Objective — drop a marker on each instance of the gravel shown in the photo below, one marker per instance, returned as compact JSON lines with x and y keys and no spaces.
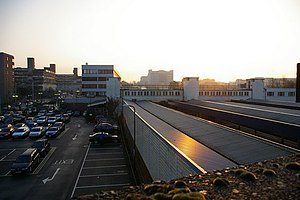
{"x":272,"y":179}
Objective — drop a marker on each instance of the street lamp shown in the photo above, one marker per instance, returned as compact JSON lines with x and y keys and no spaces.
{"x":134,"y":148}
{"x":40,"y":93}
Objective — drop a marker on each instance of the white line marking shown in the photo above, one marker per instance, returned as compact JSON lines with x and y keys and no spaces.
{"x":63,"y":133}
{"x":91,"y":160}
{"x":103,"y":175}
{"x":100,"y":186}
{"x":80,"y":171}
{"x":104,"y":167}
{"x":8,"y":154}
{"x":51,"y":179}
{"x":92,"y":154}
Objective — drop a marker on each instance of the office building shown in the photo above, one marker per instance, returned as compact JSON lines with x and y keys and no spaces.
{"x":100,"y":80}
{"x":6,"y":78}
{"x":69,"y":82}
{"x":31,"y":81}
{"x":160,"y":77}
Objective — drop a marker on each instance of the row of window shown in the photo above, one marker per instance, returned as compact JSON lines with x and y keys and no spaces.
{"x":151,"y":93}
{"x":223,"y":93}
{"x":97,"y":71}
{"x":94,"y":78}
{"x":94,"y":86}
{"x":281,"y":94}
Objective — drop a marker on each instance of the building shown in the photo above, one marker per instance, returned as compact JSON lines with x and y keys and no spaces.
{"x":160,"y":77}
{"x":69,"y":82}
{"x":6,"y":78}
{"x":100,"y":80}
{"x":32,"y":81}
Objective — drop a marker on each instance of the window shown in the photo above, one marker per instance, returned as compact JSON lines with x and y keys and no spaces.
{"x":291,"y":94}
{"x":101,"y":85}
{"x":89,"y":86}
{"x":105,"y":71}
{"x":270,"y":94}
{"x":102,"y":78}
{"x":281,"y":94}
{"x":89,"y":78}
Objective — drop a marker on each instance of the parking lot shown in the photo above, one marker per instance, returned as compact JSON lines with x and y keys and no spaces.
{"x":104,"y":168}
{"x":72,"y":167}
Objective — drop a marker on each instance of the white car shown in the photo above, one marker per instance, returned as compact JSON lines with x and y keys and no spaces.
{"x":37,"y":132}
{"x":21,"y":132}
{"x":42,"y":120}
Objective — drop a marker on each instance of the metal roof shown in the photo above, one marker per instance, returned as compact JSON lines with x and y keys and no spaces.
{"x":235,"y":145}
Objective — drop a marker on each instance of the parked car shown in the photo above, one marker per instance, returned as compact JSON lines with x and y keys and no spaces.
{"x":21,"y":132}
{"x":76,"y":113}
{"x":66,"y":118}
{"x":42,"y":119}
{"x":18,"y":125}
{"x":52,"y":132}
{"x":52,"y":120}
{"x":43,"y":146}
{"x":37,"y":132}
{"x":32,"y":124}
{"x":102,"y":138}
{"x":60,"y":125}
{"x":26,"y":162}
{"x":6,"y":131}
{"x":105,"y":127}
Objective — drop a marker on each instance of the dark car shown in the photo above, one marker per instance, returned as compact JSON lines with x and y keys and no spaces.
{"x":105,"y":127}
{"x":52,"y":132}
{"x":60,"y":125}
{"x":6,"y":131}
{"x":102,"y":138}
{"x":18,"y":125}
{"x":26,"y":162}
{"x":66,"y":118}
{"x":43,"y":146}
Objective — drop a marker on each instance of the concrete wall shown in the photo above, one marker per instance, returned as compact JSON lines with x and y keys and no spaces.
{"x":163,"y":161}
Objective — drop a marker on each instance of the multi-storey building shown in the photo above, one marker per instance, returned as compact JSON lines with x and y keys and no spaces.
{"x":6,"y":78}
{"x":33,"y":81}
{"x":69,"y":82}
{"x":100,"y":80}
{"x":160,"y":77}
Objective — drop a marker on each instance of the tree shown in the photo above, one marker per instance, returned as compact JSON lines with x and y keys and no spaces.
{"x":111,"y":105}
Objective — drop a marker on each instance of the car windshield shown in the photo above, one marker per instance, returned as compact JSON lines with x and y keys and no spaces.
{"x":22,"y":129}
{"x":53,"y":129}
{"x":38,"y":144}
{"x":35,"y":129}
{"x":23,"y":159}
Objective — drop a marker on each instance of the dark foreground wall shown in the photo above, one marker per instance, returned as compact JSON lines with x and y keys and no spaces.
{"x":298,"y":84}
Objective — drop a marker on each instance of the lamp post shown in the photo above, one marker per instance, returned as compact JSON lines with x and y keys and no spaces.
{"x":134,"y":148}
{"x":40,"y":93}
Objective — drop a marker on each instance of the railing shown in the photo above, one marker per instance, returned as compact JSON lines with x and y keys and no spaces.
{"x":163,"y":160}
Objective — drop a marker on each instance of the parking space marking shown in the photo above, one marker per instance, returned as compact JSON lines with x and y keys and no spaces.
{"x":91,"y":160}
{"x":103,"y":175}
{"x":63,"y":133}
{"x":8,"y":154}
{"x":86,"y":153}
{"x":104,"y":167}
{"x":93,"y":154}
{"x":100,"y":186}
{"x":41,"y":165}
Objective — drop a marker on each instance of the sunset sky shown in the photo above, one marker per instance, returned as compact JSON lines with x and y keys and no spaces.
{"x":223,"y":40}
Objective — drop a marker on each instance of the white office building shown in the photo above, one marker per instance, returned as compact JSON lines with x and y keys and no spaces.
{"x":159,"y":77}
{"x":100,"y":80}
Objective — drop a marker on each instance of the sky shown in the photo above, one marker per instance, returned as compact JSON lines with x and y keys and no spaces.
{"x":217,"y":39}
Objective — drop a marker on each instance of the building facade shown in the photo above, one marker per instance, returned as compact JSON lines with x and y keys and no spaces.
{"x":7,"y":87}
{"x":159,"y":77}
{"x":100,"y":80}
{"x":69,"y":82}
{"x":32,"y":81}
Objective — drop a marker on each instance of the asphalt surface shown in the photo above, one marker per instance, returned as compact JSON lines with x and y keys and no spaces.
{"x":57,"y":176}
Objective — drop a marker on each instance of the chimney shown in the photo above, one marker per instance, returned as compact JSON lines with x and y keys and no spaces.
{"x":30,"y":64}
{"x":75,"y":71}
{"x":52,"y":68}
{"x":298,"y":84}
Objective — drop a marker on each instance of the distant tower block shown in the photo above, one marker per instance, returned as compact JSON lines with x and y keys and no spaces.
{"x":298,"y":84}
{"x":75,"y":71}
{"x":190,"y":88}
{"x":30,"y":64}
{"x":52,"y":68}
